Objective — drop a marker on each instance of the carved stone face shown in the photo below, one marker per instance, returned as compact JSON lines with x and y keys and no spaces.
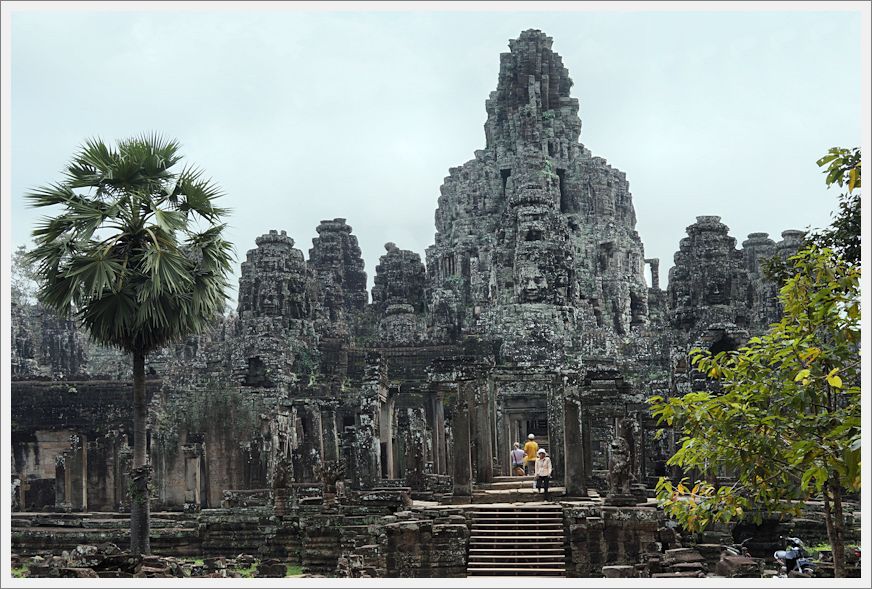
{"x":532,"y":284}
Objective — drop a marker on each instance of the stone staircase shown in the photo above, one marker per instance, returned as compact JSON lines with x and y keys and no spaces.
{"x":524,"y":539}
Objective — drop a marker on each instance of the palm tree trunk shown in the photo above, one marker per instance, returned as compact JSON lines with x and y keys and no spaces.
{"x":140,"y":475}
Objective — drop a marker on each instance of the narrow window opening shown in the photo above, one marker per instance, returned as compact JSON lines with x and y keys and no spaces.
{"x":565,"y":202}
{"x":505,"y":176}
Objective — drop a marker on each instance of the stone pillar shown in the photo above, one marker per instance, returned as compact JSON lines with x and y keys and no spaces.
{"x":415,"y":449}
{"x":460,"y":423}
{"x":366,"y":446}
{"x":63,"y":488}
{"x":587,"y":445}
{"x":439,"y":430}
{"x":554,"y":410}
{"x":307,"y":456}
{"x":575,"y":479}
{"x":484,"y":470}
{"x":19,"y":498}
{"x":192,"y":454}
{"x":75,"y":475}
{"x":329,"y":434}
{"x":122,"y":476}
{"x":84,"y":473}
{"x":386,"y":434}
{"x":367,"y":459}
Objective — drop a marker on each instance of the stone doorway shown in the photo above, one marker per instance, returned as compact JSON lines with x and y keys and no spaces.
{"x":521,"y":423}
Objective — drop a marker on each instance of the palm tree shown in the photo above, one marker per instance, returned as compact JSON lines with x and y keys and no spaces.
{"x":137,"y":256}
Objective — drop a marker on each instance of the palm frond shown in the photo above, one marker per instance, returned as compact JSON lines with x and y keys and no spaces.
{"x":140,"y":287}
{"x":49,"y":195}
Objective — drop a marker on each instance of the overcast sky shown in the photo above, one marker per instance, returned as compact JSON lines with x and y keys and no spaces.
{"x":309,"y":116}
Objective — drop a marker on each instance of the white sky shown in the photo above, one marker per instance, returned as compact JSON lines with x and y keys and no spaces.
{"x":308,"y":116}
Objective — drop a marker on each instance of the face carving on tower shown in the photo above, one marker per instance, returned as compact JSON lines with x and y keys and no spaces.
{"x":532,"y":284}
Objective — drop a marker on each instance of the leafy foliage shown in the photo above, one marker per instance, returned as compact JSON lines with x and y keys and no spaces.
{"x":787,"y":423}
{"x":23,"y":278}
{"x":156,"y":275}
{"x":842,"y":167}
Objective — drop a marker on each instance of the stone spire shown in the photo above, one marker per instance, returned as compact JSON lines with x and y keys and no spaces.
{"x":535,"y":221}
{"x":274,"y":280}
{"x":531,"y":105}
{"x":336,"y":261}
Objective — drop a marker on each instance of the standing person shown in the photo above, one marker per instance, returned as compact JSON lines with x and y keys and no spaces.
{"x":518,"y":457}
{"x":543,"y":472}
{"x":530,"y":449}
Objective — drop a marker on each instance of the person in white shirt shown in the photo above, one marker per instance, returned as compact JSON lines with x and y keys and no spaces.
{"x":543,"y":471}
{"x":518,"y":460}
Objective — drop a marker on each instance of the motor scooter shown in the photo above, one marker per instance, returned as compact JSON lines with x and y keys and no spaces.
{"x":794,"y":561}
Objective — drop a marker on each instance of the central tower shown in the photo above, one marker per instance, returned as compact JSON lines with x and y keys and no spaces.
{"x":535,"y":238}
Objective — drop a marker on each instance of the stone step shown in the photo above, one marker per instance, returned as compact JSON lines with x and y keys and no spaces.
{"x":515,"y":571}
{"x":502,"y":479}
{"x":515,"y":508}
{"x":535,"y":559}
{"x":518,"y":517}
{"x":517,"y":528}
{"x":525,"y":549}
{"x":520,"y":564}
{"x":497,"y":545}
{"x":516,"y":483}
{"x":513,"y":542}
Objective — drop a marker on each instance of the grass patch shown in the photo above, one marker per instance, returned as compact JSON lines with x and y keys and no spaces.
{"x":20,"y":572}
{"x":247,"y":572}
{"x":293,"y":570}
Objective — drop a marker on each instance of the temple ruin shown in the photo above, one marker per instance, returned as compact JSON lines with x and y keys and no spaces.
{"x":368,"y":433}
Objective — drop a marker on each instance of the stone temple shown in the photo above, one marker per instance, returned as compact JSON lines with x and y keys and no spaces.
{"x":366,"y":434}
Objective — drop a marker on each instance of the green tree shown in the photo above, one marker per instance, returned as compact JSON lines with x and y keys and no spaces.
{"x":23,"y":279}
{"x":841,"y":166}
{"x":787,"y":423}
{"x":159,"y":274}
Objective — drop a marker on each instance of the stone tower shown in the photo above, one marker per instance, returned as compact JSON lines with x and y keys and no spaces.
{"x":275,"y":329}
{"x":535,"y":237}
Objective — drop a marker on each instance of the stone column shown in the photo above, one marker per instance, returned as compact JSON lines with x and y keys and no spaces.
{"x":84,"y":474}
{"x":554,"y":410}
{"x":19,"y":500}
{"x":484,"y":470}
{"x":192,"y":456}
{"x":366,"y":446}
{"x":575,"y":480}
{"x":329,"y":434}
{"x":587,"y":445}
{"x":62,"y":485}
{"x":415,"y":449}
{"x":435,"y":425}
{"x":386,"y":433}
{"x":460,"y":423}
{"x":438,"y":429}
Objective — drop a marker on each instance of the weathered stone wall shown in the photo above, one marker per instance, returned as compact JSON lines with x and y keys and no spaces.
{"x":599,"y":536}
